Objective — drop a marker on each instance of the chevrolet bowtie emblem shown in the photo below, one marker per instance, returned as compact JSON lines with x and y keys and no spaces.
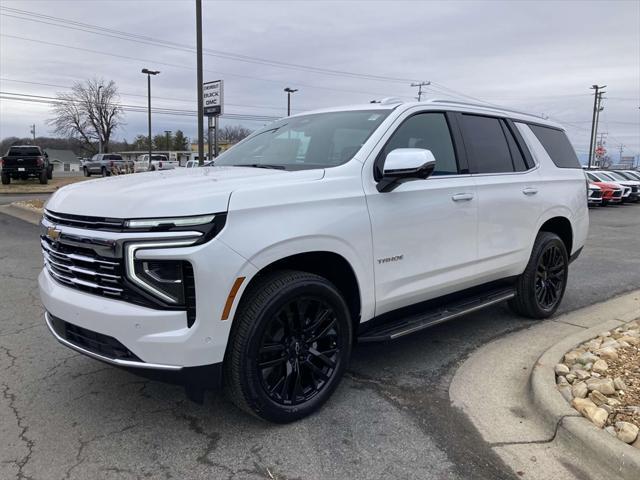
{"x":53,"y":234}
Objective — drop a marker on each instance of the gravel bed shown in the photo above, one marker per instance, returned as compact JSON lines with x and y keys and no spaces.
{"x":601,"y":380}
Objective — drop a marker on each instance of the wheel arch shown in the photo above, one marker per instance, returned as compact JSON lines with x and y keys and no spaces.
{"x":561,"y":226}
{"x":330,"y":265}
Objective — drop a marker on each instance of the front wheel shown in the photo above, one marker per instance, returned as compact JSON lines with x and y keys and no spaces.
{"x":289,"y":346}
{"x":539,"y":290}
{"x":6,"y":178}
{"x":50,"y":172}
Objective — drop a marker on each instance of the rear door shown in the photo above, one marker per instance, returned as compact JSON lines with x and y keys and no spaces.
{"x":508,"y":185}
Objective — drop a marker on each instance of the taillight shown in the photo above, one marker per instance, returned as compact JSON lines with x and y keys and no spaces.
{"x":40,"y":161}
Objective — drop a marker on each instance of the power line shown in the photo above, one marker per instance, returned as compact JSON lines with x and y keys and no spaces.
{"x":122,"y":35}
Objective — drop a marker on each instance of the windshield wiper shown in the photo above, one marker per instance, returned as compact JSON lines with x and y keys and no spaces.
{"x":262,"y":165}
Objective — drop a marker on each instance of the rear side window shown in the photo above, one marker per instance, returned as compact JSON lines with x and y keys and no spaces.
{"x":557,"y":145}
{"x":112,"y":157}
{"x":486,"y":145}
{"x":429,"y":131}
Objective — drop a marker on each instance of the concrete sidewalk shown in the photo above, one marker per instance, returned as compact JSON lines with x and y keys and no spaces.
{"x":493,"y":388}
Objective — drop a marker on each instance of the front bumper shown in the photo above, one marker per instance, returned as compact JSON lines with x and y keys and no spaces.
{"x":159,"y":339}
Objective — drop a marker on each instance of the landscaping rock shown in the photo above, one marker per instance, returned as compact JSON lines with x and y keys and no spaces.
{"x":581,"y":374}
{"x":587,"y":357}
{"x":570,"y":377}
{"x":603,"y":385}
{"x":619,"y":384}
{"x":608,"y":353}
{"x":598,"y":416}
{"x":579,"y":390}
{"x":571,"y":357}
{"x":598,"y":398}
{"x":565,"y":391}
{"x":627,"y":432}
{"x":561,"y":369}
{"x":600,"y":366}
{"x":580,"y":404}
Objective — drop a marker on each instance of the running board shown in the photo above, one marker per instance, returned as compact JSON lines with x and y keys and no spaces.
{"x":414,"y":323}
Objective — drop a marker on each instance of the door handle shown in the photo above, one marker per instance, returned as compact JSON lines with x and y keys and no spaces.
{"x":462,"y":197}
{"x":530,"y":191}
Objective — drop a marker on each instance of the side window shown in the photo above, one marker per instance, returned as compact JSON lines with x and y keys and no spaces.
{"x":429,"y":131}
{"x":557,"y":145}
{"x":519,"y":162}
{"x":486,"y":144}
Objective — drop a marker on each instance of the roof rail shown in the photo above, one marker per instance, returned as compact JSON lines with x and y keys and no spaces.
{"x":387,"y":101}
{"x":483,"y":105}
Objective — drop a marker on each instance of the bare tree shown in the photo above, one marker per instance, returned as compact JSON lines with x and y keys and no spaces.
{"x":91,"y":112}
{"x":234,"y":133}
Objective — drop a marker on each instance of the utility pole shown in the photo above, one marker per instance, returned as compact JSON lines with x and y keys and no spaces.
{"x":149,"y":73}
{"x":420,"y":85}
{"x":167,"y":134}
{"x":33,"y":132}
{"x":199,"y":80}
{"x":598,"y":110}
{"x":289,"y":92}
{"x":597,"y":88}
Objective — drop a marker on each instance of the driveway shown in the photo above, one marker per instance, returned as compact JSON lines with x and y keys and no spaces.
{"x":63,"y":415}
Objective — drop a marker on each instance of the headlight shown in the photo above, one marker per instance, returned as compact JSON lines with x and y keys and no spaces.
{"x":165,"y":279}
{"x":169,"y":222}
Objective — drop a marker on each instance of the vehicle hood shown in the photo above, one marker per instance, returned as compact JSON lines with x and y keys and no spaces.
{"x":167,"y":193}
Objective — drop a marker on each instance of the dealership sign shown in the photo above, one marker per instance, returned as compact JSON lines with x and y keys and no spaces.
{"x":213,"y":98}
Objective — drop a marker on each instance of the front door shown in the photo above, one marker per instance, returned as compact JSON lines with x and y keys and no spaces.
{"x":424,"y":231}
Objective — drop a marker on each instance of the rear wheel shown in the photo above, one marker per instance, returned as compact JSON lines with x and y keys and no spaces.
{"x":103,"y":171}
{"x":289,"y":347}
{"x":539,"y":290}
{"x":44,"y":177}
{"x":6,"y":178}
{"x":50,"y":172}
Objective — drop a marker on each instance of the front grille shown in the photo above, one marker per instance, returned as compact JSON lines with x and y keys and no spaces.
{"x":92,"y":341}
{"x":634,"y":189}
{"x":596,"y":194}
{"x":617,"y":193}
{"x":82,"y":221}
{"x":82,"y":268}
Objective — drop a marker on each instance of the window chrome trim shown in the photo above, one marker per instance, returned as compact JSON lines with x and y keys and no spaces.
{"x":130,"y":254}
{"x":112,"y":361}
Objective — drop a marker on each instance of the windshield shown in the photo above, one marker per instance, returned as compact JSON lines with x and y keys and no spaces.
{"x":617,"y":176}
{"x":158,"y":157}
{"x":606,"y":176}
{"x":319,"y":140}
{"x":632,"y":175}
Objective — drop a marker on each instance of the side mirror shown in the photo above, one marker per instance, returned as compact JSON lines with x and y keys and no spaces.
{"x":404,"y":164}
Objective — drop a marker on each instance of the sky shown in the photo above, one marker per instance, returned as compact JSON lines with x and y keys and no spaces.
{"x":541,"y":57}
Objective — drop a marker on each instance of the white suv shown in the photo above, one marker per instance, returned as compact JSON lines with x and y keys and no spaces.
{"x":158,"y":162}
{"x":363,"y":223}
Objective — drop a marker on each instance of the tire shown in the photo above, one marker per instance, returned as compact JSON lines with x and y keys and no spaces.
{"x":6,"y":178}
{"x":104,"y":172}
{"x":539,"y":290}
{"x":86,"y":171}
{"x":50,"y":172}
{"x":292,"y":355}
{"x":44,"y":177}
{"x":153,"y":168}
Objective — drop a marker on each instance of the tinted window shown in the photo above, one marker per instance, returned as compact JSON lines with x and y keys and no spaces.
{"x":486,"y":145}
{"x":519,"y":162}
{"x":557,"y":145}
{"x":429,"y":131}
{"x":319,"y":140}
{"x":24,"y":151}
{"x":112,"y":157}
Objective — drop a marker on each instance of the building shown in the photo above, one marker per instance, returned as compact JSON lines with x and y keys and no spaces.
{"x":63,"y":160}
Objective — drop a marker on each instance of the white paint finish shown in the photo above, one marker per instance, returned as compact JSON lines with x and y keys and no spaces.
{"x":453,"y":232}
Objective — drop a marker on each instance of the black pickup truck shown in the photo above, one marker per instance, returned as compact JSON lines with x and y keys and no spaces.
{"x":24,"y":161}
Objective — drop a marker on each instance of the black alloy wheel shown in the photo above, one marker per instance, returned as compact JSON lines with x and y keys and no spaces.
{"x":550,"y":277}
{"x":299,"y":350}
{"x":289,"y":345}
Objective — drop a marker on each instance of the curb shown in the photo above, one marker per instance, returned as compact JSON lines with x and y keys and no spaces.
{"x":21,"y":213}
{"x":576,"y":432}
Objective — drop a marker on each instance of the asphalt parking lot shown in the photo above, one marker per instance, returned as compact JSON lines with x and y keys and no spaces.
{"x":65,"y":416}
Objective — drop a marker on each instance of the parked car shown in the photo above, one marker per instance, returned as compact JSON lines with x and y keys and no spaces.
{"x":629,"y":174}
{"x":363,"y":223}
{"x":24,"y":161}
{"x":600,"y":176}
{"x":611,"y":192}
{"x":195,"y":163}
{"x":107,"y":164}
{"x":594,"y":196}
{"x":158,"y":162}
{"x":634,"y":196}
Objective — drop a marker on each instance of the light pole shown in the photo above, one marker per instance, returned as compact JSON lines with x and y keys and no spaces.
{"x":99,"y":121}
{"x":149,"y":73}
{"x":289,"y":92}
{"x":167,"y":134}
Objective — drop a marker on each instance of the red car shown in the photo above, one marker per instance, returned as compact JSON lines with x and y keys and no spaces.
{"x":610,"y":193}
